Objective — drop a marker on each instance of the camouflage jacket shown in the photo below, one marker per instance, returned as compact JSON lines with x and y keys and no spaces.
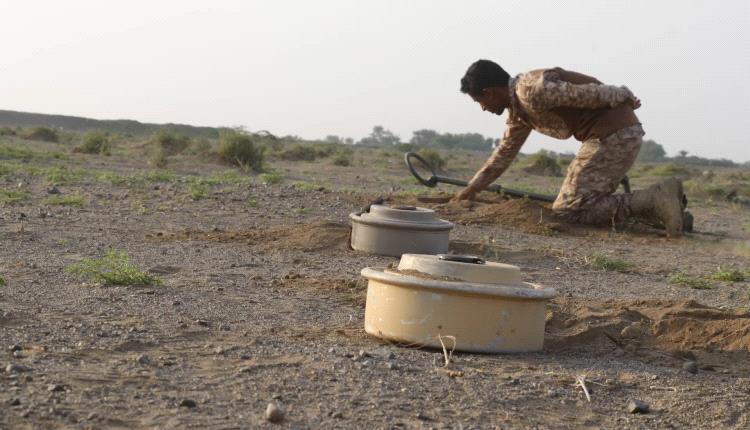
{"x":535,"y":99}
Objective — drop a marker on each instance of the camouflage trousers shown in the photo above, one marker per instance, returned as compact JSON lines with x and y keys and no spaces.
{"x":587,"y":194}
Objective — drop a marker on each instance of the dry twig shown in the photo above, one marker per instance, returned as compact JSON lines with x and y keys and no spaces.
{"x":581,"y":381}
{"x":447,"y":355}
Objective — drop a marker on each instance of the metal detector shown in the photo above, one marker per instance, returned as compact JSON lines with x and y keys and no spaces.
{"x":434,"y":179}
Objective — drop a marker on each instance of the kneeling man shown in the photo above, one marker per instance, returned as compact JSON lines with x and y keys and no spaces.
{"x":561,"y":103}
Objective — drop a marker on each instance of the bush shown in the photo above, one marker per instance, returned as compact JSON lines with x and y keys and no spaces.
{"x":94,"y":142}
{"x":44,"y":134}
{"x":158,"y":157}
{"x":673,"y":169}
{"x":74,"y":199}
{"x":601,"y":262}
{"x":342,"y":159}
{"x":729,"y":274}
{"x":7,"y":131}
{"x":299,"y":152}
{"x":433,"y":158}
{"x":113,"y":268}
{"x":238,"y":148}
{"x":199,"y":147}
{"x":170,"y":143}
{"x":686,"y":280}
{"x":11,"y":196}
{"x":271,"y":178}
{"x":542,"y":164}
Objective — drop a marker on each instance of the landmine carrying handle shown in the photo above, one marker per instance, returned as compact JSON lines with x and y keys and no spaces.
{"x":434,"y":179}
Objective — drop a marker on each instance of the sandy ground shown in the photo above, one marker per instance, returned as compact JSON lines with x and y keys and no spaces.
{"x":262,"y":302}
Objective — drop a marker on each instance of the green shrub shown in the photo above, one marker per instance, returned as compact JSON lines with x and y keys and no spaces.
{"x":170,"y":143}
{"x":270,"y":178}
{"x":342,"y":159}
{"x":7,"y":131}
{"x":323,"y":150}
{"x":10,"y":196}
{"x":601,"y":262}
{"x":158,"y":157}
{"x":10,"y":152}
{"x":686,"y":280}
{"x":44,"y":134}
{"x":433,"y":158}
{"x":308,"y":186}
{"x":74,"y":199}
{"x":729,"y":274}
{"x":542,"y":164}
{"x":113,"y":268}
{"x":239,"y":149}
{"x":60,"y":175}
{"x":199,"y":147}
{"x":95,"y":142}
{"x":2,"y":282}
{"x":299,"y":152}
{"x":673,"y":169}
{"x":197,"y":190}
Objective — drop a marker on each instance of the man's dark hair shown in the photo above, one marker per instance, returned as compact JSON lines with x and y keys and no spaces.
{"x":483,"y":74}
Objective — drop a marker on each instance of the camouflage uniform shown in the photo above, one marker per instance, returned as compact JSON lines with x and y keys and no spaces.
{"x":541,"y":100}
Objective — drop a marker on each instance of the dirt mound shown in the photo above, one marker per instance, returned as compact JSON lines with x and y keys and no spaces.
{"x":526,"y":215}
{"x":665,"y":325}
{"x":315,"y":236}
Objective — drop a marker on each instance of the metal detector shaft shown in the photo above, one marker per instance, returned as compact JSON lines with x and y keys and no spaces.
{"x":434,"y":179}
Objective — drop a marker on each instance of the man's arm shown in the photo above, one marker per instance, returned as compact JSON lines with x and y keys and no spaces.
{"x":556,"y":92}
{"x":514,"y":137}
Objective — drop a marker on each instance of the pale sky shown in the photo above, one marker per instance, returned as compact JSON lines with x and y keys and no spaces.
{"x":314,"y":68}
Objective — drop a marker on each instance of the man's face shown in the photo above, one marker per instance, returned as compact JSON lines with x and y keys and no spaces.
{"x":491,"y":100}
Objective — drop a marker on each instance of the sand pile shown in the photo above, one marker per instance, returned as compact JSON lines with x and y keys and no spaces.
{"x":661,"y":324}
{"x":316,"y":236}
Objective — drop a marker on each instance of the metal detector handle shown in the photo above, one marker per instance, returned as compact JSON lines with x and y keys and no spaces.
{"x":434,"y":178}
{"x":625,"y":181}
{"x":521,"y":194}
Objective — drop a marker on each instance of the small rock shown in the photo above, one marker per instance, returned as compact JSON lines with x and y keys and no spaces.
{"x":337,"y":415}
{"x":638,"y":407}
{"x":17,"y":354}
{"x":53,"y":190}
{"x":14,"y":402}
{"x":92,"y":416}
{"x":225,"y":327}
{"x":202,"y":323}
{"x":176,"y":303}
{"x":632,"y":331}
{"x":143,"y":359}
{"x":219,"y":350}
{"x":188,"y":403}
{"x":391,"y":366}
{"x":690,"y":367}
{"x":15,"y":368}
{"x":274,"y":413}
{"x":55,"y":388}
{"x":15,"y":347}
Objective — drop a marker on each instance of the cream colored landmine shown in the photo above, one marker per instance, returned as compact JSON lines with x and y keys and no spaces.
{"x":481,"y":306}
{"x":397,"y":230}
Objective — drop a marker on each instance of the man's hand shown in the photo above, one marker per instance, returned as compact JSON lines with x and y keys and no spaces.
{"x":467,"y":193}
{"x":635,"y":102}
